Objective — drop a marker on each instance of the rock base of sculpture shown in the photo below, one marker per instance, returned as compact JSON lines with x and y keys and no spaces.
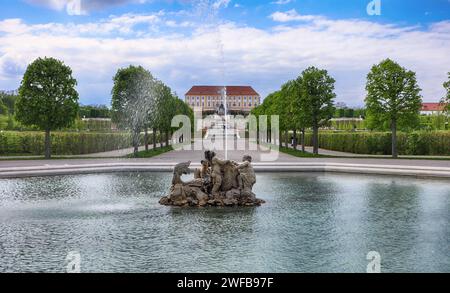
{"x":218,"y":183}
{"x":188,"y":196}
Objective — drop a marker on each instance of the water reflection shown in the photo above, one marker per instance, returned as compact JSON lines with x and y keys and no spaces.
{"x":311,"y":222}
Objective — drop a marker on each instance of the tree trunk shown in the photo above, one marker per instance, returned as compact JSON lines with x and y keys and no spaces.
{"x":136,"y":142}
{"x":146,"y":138}
{"x":257,"y":136}
{"x":167,"y":138}
{"x":154,"y":138}
{"x":294,"y":139}
{"x":394,"y":139}
{"x":48,"y":145}
{"x":286,"y":139}
{"x":161,"y":138}
{"x":303,"y":140}
{"x":280,"y":140}
{"x":316,"y":139}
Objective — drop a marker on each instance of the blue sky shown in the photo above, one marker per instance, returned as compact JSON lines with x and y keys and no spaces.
{"x":261,"y":43}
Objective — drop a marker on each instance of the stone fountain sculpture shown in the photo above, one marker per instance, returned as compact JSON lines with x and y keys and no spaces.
{"x":217,"y":183}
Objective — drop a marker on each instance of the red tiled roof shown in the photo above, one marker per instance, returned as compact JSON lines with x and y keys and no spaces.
{"x":215,"y":90}
{"x":432,"y":107}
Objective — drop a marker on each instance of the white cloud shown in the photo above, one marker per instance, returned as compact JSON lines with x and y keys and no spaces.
{"x":221,"y":3}
{"x":281,"y":2}
{"x":80,"y":7}
{"x":292,"y":15}
{"x":262,"y":58}
{"x":123,"y":24}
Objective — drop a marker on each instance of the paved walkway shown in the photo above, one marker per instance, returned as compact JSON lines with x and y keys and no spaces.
{"x":351,"y":155}
{"x":236,"y":155}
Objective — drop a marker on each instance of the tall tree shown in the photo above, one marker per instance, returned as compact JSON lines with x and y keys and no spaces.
{"x":446,"y":99}
{"x":133,"y":100}
{"x":166,"y":111}
{"x":317,"y":99}
{"x":393,"y":97}
{"x":282,"y":110}
{"x":47,"y":97}
{"x":301,"y":116}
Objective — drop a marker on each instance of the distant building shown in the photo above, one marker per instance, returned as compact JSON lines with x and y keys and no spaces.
{"x":432,"y":108}
{"x":210,"y":99}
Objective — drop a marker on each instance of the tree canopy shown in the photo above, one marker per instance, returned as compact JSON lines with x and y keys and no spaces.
{"x":140,"y":101}
{"x":95,"y":111}
{"x":393,"y":98}
{"x":317,"y":99}
{"x":302,"y":103}
{"x":47,"y":97}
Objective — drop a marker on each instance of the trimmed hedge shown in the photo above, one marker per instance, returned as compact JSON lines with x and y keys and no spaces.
{"x":432,"y":143}
{"x":63,"y":143}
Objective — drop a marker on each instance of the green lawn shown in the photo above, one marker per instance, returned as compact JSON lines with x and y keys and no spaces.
{"x":300,"y":154}
{"x":295,"y":153}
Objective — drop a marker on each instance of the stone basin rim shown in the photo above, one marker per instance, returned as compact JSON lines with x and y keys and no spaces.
{"x":364,"y":169}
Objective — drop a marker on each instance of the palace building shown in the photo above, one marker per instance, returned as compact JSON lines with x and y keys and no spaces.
{"x":210,"y":99}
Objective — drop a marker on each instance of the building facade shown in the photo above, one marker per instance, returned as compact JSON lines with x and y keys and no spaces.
{"x":432,"y":109}
{"x":210,"y":99}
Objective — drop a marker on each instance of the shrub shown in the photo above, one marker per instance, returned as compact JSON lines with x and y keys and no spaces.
{"x":432,"y":143}
{"x":63,"y":143}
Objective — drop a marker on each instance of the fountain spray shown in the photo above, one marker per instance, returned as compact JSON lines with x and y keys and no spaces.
{"x":224,"y":92}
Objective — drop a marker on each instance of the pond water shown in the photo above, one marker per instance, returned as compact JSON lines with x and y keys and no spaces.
{"x":311,"y":223}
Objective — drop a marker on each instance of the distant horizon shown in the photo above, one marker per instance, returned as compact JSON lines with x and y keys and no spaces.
{"x":108,"y":105}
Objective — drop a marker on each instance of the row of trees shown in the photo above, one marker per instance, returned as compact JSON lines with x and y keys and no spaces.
{"x":48,"y":100}
{"x":393,"y":100}
{"x":141,"y":102}
{"x":342,"y":111}
{"x":95,"y":111}
{"x":306,"y":102}
{"x":7,"y":103}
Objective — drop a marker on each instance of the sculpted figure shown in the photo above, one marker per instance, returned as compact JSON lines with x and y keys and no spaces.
{"x":216,"y":171}
{"x":230,"y":177}
{"x":205,"y":171}
{"x":180,"y":170}
{"x":247,"y":177}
